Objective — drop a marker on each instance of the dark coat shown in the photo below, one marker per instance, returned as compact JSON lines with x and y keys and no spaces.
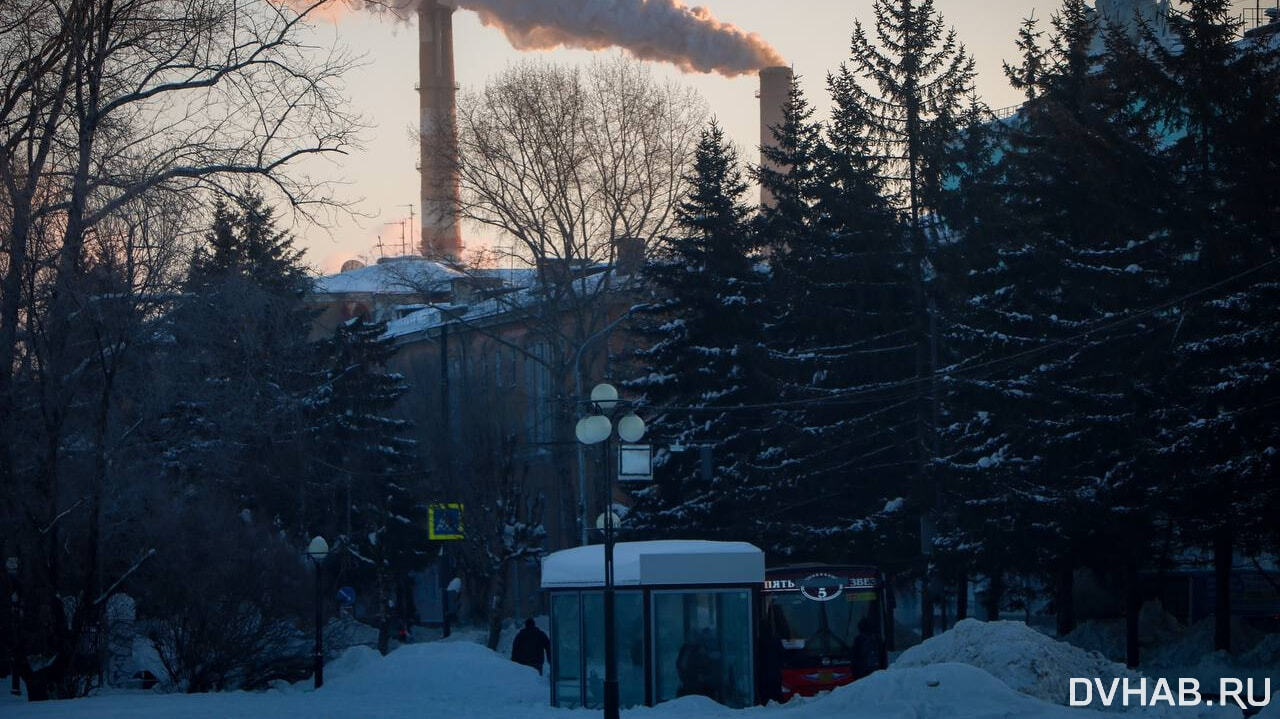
{"x":531,"y":647}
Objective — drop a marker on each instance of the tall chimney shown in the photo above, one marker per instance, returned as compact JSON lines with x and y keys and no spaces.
{"x":775,"y":88}
{"x":437,"y":99}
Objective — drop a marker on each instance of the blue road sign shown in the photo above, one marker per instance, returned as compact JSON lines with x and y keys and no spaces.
{"x":444,"y":522}
{"x":347,"y":595}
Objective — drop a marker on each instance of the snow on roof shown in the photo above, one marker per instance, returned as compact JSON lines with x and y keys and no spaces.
{"x":513,"y":298}
{"x":656,"y":562}
{"x":413,"y":322}
{"x":433,"y":317}
{"x":391,"y":275}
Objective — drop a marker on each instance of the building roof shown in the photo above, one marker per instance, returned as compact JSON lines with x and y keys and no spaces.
{"x":512,"y":298}
{"x":663,"y":562}
{"x":390,"y":276}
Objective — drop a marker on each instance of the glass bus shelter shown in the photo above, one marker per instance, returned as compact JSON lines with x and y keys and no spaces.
{"x":684,"y":618}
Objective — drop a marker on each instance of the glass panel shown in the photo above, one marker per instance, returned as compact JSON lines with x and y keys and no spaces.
{"x":629,"y":620}
{"x":593,"y":615}
{"x":703,"y":646}
{"x":734,"y":632}
{"x":629,"y":607}
{"x":567,"y":669}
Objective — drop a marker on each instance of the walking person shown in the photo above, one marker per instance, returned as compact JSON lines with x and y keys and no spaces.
{"x":531,"y":646}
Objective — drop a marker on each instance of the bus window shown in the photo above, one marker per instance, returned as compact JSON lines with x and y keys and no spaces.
{"x":828,"y":621}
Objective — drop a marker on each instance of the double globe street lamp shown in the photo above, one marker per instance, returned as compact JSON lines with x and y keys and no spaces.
{"x":598,"y":428}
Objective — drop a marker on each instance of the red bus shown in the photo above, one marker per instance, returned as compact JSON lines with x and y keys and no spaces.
{"x":822,"y":626}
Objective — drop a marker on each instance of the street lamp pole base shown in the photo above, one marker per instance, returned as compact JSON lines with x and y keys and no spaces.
{"x":319,"y":669}
{"x":611,"y":699}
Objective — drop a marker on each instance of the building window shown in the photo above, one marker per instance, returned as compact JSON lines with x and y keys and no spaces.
{"x":538,"y":393}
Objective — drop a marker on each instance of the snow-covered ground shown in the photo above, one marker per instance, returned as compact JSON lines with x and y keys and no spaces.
{"x":1171,"y":650}
{"x":463,"y":680}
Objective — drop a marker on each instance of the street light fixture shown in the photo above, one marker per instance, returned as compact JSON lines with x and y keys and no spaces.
{"x":598,"y":429}
{"x":604,"y":396}
{"x":317,"y":551}
{"x":631,"y":428}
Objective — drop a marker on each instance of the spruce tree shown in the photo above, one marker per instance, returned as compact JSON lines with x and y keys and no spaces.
{"x":703,"y":358}
{"x":919,"y":75}
{"x":246,"y":242}
{"x":242,"y":365}
{"x":1220,"y":100}
{"x":375,"y":504}
{"x":978,"y":258}
{"x":1051,"y":393}
{"x":1028,"y":73}
{"x":838,"y":301}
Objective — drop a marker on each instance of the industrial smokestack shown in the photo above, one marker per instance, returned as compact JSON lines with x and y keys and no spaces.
{"x":437,"y":97}
{"x":775,"y":88}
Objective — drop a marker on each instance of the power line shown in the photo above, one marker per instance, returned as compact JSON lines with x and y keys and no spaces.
{"x":858,"y":395}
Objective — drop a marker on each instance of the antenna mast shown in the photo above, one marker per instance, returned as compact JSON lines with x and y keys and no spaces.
{"x":411,"y":216}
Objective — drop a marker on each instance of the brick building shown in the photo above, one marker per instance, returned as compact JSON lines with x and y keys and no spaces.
{"x":490,"y":358}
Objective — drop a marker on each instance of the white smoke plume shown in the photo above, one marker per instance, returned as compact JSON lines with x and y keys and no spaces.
{"x":690,"y":38}
{"x":663,"y":30}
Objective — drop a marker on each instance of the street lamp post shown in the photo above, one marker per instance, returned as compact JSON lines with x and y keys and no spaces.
{"x":318,"y":550}
{"x":577,"y":385}
{"x":15,"y":608}
{"x":598,"y":429}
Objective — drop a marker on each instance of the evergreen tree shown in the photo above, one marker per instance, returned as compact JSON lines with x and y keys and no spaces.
{"x":977,"y":258}
{"x":1054,"y":389}
{"x":375,"y":505}
{"x":242,"y":364}
{"x":245,"y":242}
{"x":704,"y":356}
{"x":839,"y":299}
{"x":797,"y":151}
{"x":1027,"y":75}
{"x":1219,"y":99}
{"x":921,"y":75}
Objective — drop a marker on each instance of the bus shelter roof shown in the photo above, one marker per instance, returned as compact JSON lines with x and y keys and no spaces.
{"x":662,"y":562}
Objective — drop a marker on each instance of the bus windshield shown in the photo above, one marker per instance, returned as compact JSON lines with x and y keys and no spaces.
{"x":825,"y":618}
{"x":821,"y":633}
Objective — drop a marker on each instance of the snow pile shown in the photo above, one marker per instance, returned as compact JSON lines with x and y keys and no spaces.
{"x":343,"y":633}
{"x":1196,"y":643}
{"x":1105,"y":637}
{"x":1191,"y":654}
{"x":1021,"y":657}
{"x":937,"y":691}
{"x":1170,"y":651}
{"x":1156,"y":628}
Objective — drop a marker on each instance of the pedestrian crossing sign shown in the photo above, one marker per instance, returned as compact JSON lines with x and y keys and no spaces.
{"x":444,"y":522}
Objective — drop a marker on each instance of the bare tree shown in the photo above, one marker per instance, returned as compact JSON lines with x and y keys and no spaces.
{"x":116,"y":118}
{"x":567,"y":162}
{"x":572,"y":167}
{"x":504,"y":509}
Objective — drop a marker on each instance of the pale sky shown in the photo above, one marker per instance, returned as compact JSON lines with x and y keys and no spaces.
{"x":812,"y":34}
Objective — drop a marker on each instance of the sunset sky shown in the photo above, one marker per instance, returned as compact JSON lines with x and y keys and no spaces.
{"x":812,"y":34}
